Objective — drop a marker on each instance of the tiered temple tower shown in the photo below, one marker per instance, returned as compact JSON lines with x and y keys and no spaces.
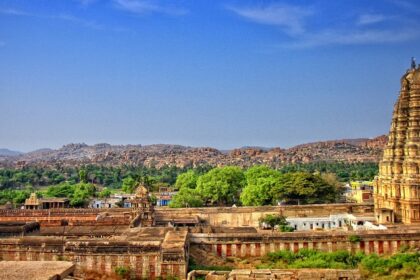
{"x":397,"y":188}
{"x":143,"y":207}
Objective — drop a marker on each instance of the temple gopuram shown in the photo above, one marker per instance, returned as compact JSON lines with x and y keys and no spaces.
{"x":397,"y":189}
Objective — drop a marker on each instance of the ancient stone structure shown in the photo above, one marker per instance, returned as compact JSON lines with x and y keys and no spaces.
{"x":72,"y":216}
{"x":101,"y":241}
{"x":397,"y":189}
{"x":17,"y":228}
{"x":148,"y":253}
{"x":251,"y":244}
{"x":282,"y":274}
{"x":33,"y":202}
{"x":250,"y":216}
{"x":143,"y":207}
{"x":41,"y":270}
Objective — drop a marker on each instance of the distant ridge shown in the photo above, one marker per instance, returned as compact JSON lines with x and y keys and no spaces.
{"x":9,"y":153}
{"x":158,"y":155}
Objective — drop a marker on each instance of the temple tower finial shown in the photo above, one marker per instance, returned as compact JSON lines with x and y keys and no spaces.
{"x":413,"y":62}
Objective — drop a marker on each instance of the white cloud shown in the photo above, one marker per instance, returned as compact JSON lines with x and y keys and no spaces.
{"x":86,"y":2}
{"x":76,"y":20}
{"x":146,"y":6}
{"x":64,"y":17}
{"x":13,"y":12}
{"x":357,"y":37}
{"x":367,"y":19}
{"x":289,"y":18}
{"x":292,"y":20}
{"x":409,"y":6}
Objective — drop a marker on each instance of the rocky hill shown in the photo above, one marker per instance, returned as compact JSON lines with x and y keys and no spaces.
{"x":7,"y":152}
{"x":348,"y":150}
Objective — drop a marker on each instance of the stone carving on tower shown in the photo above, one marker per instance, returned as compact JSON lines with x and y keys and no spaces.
{"x":397,"y":188}
{"x":143,"y":208}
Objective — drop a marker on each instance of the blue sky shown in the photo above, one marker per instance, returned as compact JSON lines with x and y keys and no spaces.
{"x":200,"y":72}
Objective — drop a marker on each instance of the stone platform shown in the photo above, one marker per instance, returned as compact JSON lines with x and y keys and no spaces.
{"x":35,"y":270}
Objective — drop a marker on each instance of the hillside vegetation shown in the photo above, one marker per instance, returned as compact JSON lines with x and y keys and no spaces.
{"x":259,"y":185}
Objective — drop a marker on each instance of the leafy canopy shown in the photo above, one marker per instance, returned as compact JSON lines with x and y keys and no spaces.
{"x":186,"y":197}
{"x":186,"y":180}
{"x":260,"y":180}
{"x":221,"y":185}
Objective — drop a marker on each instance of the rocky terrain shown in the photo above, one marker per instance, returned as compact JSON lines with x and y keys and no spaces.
{"x":348,"y":150}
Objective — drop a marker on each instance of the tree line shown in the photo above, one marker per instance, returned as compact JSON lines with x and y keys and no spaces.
{"x":81,"y":183}
{"x":256,"y":186}
{"x":110,"y":177}
{"x":345,"y":171}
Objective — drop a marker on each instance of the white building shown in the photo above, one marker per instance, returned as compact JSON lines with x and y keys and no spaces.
{"x":332,"y":222}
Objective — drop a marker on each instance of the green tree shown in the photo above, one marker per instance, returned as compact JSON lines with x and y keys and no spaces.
{"x":82,"y":192}
{"x":186,"y":197}
{"x":331,"y":180}
{"x":20,"y":197}
{"x":276,"y":220}
{"x":105,"y":193}
{"x":304,"y":188}
{"x":61,"y":190}
{"x":221,"y":185}
{"x":186,"y":180}
{"x":129,"y":185}
{"x":260,"y":180}
{"x":273,"y":220}
{"x":83,"y":176}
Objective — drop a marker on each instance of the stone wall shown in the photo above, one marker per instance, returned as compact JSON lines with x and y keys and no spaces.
{"x":73,"y":216}
{"x":249,"y":216}
{"x":257,"y":244}
{"x":214,"y":216}
{"x":284,"y":274}
{"x":145,"y":259}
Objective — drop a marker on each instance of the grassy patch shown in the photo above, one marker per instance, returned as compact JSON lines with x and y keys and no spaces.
{"x":403,"y":265}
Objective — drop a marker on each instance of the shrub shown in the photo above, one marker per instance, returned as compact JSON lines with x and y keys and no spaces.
{"x":122,"y":271}
{"x":354,"y":238}
{"x":398,"y":266}
{"x":286,"y":228}
{"x":310,"y":263}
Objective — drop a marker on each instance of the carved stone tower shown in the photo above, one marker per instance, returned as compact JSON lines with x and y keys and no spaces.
{"x":397,"y":188}
{"x":143,"y":208}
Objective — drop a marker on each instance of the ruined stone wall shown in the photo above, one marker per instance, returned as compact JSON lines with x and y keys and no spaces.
{"x":74,"y":217}
{"x":284,"y":274}
{"x":144,"y":259}
{"x":215,"y":216}
{"x":257,"y":244}
{"x":249,"y":216}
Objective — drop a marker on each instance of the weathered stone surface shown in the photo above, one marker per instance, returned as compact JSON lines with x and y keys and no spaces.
{"x":284,"y":274}
{"x":398,"y":185}
{"x":39,"y":270}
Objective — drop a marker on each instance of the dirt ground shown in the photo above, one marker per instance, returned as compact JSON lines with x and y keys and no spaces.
{"x":202,"y":257}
